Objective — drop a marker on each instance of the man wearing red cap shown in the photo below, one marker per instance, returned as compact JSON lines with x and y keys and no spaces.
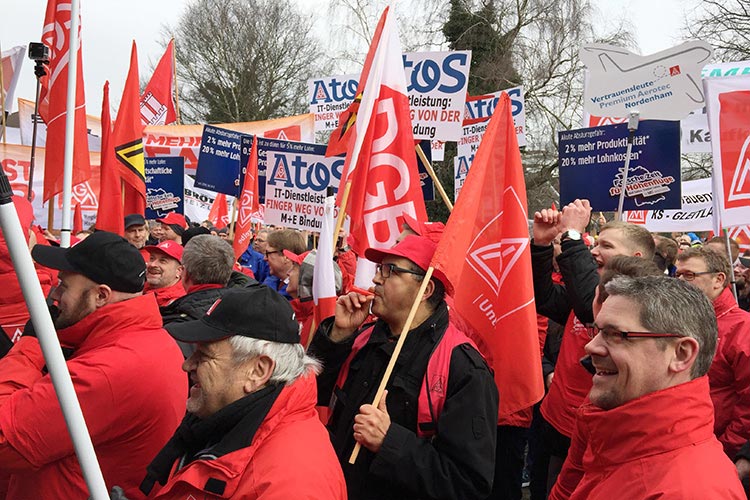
{"x":173,"y":227}
{"x":433,"y":433}
{"x":164,"y":272}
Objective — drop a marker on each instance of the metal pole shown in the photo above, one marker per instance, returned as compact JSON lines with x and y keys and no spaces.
{"x":70,"y":121}
{"x":45,"y":331}
{"x":632,"y":127}
{"x":35,"y":119}
{"x":2,"y":93}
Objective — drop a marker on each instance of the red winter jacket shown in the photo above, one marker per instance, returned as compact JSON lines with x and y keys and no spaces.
{"x":660,"y":445}
{"x":119,"y":351}
{"x":291,"y":457}
{"x":729,"y":375}
{"x":165,"y":296}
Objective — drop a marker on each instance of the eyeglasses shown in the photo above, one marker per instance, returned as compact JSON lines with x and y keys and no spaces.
{"x":690,"y":275}
{"x":385,"y":270}
{"x":272,"y":252}
{"x":611,"y":336}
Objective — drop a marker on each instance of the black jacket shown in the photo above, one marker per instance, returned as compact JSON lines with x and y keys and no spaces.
{"x":579,"y":271}
{"x":458,"y":462}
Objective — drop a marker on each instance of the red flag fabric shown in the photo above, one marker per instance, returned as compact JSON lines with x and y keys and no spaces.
{"x":53,"y":100}
{"x":77,"y":219}
{"x":248,"y":204}
{"x":109,"y":215}
{"x":381,"y":163}
{"x":485,"y":254}
{"x":127,"y":139}
{"x":338,"y":143}
{"x":324,"y":280}
{"x":219,"y":214}
{"x":157,"y":100}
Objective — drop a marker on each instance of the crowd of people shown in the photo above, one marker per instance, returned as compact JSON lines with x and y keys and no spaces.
{"x":205,"y":376}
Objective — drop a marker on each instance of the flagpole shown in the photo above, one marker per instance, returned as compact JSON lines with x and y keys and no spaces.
{"x":230,"y":235}
{"x":632,"y":127}
{"x":174,"y":77}
{"x":51,"y":213}
{"x":342,"y":211}
{"x":435,"y":179}
{"x":2,"y":93}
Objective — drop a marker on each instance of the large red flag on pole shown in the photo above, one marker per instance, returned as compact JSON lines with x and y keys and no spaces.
{"x":157,"y":100}
{"x":109,"y":215}
{"x":248,"y":203}
{"x":219,"y":214}
{"x":53,"y":99}
{"x":380,"y":165}
{"x":127,"y":140}
{"x":484,"y":252}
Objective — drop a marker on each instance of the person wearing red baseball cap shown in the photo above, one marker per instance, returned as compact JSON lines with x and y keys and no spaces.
{"x":173,"y":227}
{"x":164,"y":272}
{"x":430,"y":230}
{"x":442,"y":402}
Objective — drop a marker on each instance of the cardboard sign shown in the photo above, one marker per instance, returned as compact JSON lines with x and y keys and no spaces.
{"x":665,"y":85}
{"x":592,"y":161}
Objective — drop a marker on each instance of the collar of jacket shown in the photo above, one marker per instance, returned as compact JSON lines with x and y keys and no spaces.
{"x":724,"y":302}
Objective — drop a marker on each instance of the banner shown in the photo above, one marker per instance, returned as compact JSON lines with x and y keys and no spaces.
{"x":185,"y":140}
{"x":696,"y":213}
{"x":197,"y":201}
{"x":591,"y":162}
{"x":26,"y":125}
{"x":297,"y":176}
{"x":436,"y":86}
{"x":12,"y":60}
{"x":165,"y":186}
{"x":728,"y":103}
{"x":664,"y":85}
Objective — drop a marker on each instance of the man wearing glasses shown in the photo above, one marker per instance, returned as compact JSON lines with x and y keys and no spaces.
{"x":647,"y":430}
{"x":254,"y":257}
{"x":729,"y":376}
{"x":433,"y":435}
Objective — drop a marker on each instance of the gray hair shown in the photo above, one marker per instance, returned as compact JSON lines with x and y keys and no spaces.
{"x":291,"y":360}
{"x":208,"y":260}
{"x":669,"y":305}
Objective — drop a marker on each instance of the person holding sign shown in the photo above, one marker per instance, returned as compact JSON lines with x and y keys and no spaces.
{"x":433,"y":434}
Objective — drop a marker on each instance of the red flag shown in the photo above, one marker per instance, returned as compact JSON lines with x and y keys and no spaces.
{"x":127,"y":139}
{"x":53,"y":99}
{"x":324,"y":280}
{"x":218,"y":215}
{"x":248,"y":203}
{"x":157,"y":100}
{"x":381,"y":162}
{"x":338,"y":143}
{"x":485,"y":253}
{"x":77,"y":219}
{"x":109,"y":215}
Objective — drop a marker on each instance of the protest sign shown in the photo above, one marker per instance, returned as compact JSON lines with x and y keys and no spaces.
{"x":219,"y":161}
{"x":664,"y":85}
{"x":329,"y":96}
{"x":591,"y":162}
{"x":164,"y":186}
{"x":296,"y":178}
{"x":696,"y":213}
{"x":197,"y":201}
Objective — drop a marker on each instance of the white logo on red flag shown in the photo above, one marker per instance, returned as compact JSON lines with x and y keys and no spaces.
{"x":636,"y":216}
{"x":83,"y":194}
{"x":740,"y":188}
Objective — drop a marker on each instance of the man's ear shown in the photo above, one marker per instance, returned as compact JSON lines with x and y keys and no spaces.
{"x":258,"y":372}
{"x":684,"y":354}
{"x":429,"y":290}
{"x":103,"y":295}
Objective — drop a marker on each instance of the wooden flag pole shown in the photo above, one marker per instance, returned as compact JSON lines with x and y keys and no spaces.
{"x":51,"y":214}
{"x":397,"y":351}
{"x":230,"y":235}
{"x":342,"y":212}
{"x":435,"y":179}
{"x":174,"y":77}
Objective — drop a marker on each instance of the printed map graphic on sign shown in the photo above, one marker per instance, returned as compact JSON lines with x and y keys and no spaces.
{"x":643,"y":184}
{"x":665,"y":85}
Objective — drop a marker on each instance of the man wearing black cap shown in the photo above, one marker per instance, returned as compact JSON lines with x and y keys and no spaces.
{"x":251,"y":430}
{"x":136,"y":231}
{"x":435,"y":435}
{"x":118,"y":349}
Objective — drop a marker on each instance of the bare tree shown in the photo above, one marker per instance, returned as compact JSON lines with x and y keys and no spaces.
{"x":725,"y":24}
{"x":244,"y":60}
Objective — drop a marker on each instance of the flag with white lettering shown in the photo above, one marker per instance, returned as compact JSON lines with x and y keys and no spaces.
{"x":157,"y":100}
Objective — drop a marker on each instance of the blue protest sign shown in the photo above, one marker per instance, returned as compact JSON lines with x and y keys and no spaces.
{"x":219,"y":160}
{"x":591,"y":161}
{"x":165,"y":185}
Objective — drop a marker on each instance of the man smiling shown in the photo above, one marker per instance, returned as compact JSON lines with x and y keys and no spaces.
{"x":164,"y":272}
{"x":648,"y":429}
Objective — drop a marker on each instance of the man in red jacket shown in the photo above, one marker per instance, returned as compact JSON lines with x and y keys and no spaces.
{"x":729,"y":375}
{"x":124,"y":367}
{"x":164,"y":272}
{"x":647,"y":431}
{"x":252,"y":430}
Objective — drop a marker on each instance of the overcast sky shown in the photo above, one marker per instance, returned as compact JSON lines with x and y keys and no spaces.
{"x":108,"y":26}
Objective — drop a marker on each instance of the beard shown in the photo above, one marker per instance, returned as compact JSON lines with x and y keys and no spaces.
{"x":79,"y":310}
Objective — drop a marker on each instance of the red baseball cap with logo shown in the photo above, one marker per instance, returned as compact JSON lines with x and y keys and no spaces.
{"x":431,"y":230}
{"x":169,"y":247}
{"x":418,"y":249}
{"x":176,"y":221}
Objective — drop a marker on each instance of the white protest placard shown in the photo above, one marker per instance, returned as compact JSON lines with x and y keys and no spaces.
{"x":436,"y":85}
{"x":696,"y":213}
{"x":665,"y":85}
